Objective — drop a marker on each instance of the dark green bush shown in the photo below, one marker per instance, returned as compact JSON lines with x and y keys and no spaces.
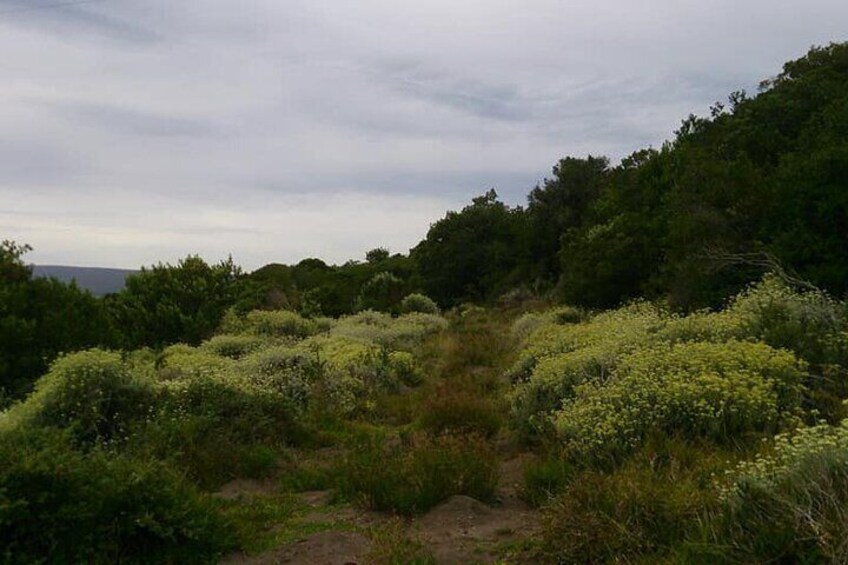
{"x":59,"y":505}
{"x":416,"y":302}
{"x":216,"y":428}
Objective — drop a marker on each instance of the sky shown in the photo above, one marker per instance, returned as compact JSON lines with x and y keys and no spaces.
{"x":140,"y":131}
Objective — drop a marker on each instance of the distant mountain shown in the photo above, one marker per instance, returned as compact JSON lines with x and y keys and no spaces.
{"x":98,"y":281}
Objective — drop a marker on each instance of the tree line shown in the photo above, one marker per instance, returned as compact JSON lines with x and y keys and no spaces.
{"x":761,"y":184}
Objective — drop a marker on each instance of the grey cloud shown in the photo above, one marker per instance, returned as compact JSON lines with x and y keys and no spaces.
{"x":79,"y":18}
{"x":34,"y":164}
{"x":499,"y":102}
{"x":127,"y":120}
{"x":510,"y":185}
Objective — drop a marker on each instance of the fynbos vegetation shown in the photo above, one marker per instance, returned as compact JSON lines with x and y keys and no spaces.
{"x":647,"y":363}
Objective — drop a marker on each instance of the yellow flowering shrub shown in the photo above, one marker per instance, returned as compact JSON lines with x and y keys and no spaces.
{"x":710,"y":390}
{"x":788,"y":504}
{"x":556,"y":357}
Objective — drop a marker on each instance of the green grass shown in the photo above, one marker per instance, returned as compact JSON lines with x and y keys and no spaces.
{"x":411,"y":475}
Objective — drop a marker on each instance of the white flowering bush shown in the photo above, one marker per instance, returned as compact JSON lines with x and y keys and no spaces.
{"x":622,"y":329}
{"x":526,"y":324}
{"x":585,"y":370}
{"x":92,"y":393}
{"x":716,"y":391}
{"x":790,"y":456}
{"x":180,"y":361}
{"x":553,"y":382}
{"x":713,"y":327}
{"x":810,"y":323}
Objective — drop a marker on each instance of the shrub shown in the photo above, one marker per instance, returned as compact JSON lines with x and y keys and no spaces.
{"x":717,"y":391}
{"x":339,"y":373}
{"x":641,"y":512}
{"x":788,"y":504}
{"x":381,"y":292}
{"x":232,"y":346}
{"x":279,"y":323}
{"x":289,"y":371}
{"x":404,"y":369}
{"x":413,"y":475}
{"x":527,"y":323}
{"x":183,"y":361}
{"x":809,"y":323}
{"x":552,"y":383}
{"x":418,"y":303}
{"x":91,"y":393}
{"x":237,"y":406}
{"x":457,"y":410}
{"x":217,"y":427}
{"x":402,"y":332}
{"x":63,"y":506}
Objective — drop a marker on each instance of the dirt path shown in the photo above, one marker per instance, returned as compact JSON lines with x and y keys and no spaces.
{"x":460,"y":530}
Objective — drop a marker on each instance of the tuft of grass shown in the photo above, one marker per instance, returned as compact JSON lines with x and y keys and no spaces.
{"x":413,"y":474}
{"x":643,"y":510}
{"x":546,"y":477}
{"x":391,"y":544}
{"x":453,"y":408}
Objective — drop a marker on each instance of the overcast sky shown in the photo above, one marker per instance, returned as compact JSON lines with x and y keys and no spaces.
{"x":134,"y":131}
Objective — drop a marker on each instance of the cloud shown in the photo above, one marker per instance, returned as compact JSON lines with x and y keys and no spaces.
{"x":133,"y":122}
{"x":79,"y":18}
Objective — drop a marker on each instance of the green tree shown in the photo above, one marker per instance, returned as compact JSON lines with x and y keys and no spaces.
{"x":561,"y":203}
{"x":377,"y":255}
{"x":40,"y":318}
{"x":470,"y":254}
{"x":169,"y":303}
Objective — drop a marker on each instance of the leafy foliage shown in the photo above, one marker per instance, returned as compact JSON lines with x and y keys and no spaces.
{"x":468,"y":254}
{"x":39,"y":319}
{"x":169,"y":303}
{"x":61,"y":505}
